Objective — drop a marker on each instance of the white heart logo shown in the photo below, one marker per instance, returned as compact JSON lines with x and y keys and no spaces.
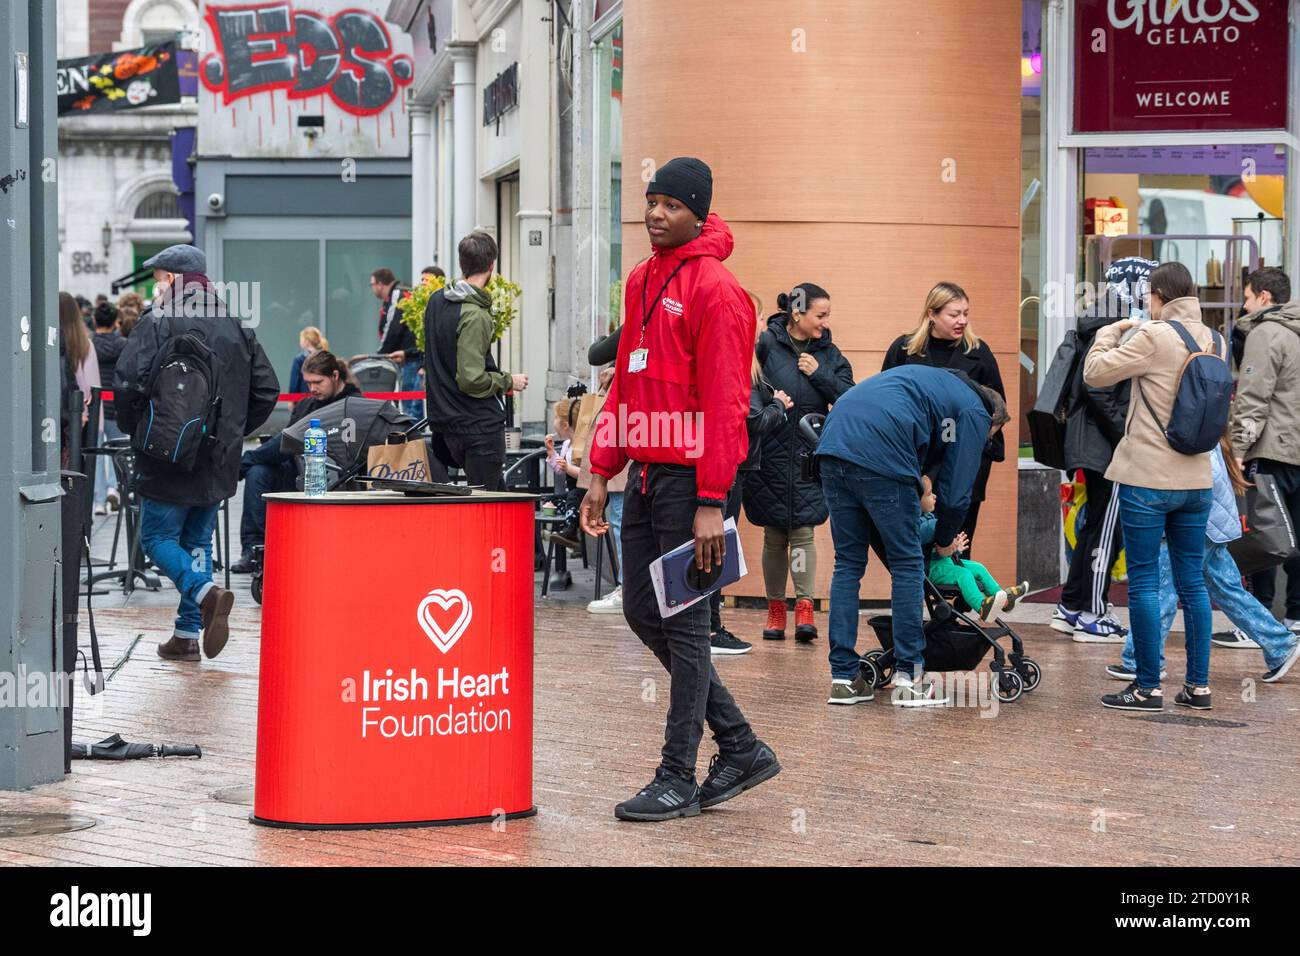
{"x":445,"y":640}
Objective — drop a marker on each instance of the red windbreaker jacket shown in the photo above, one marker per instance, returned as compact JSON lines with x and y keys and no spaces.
{"x":688,"y":406}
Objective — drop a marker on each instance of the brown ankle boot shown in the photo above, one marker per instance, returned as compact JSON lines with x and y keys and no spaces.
{"x":216,"y":607}
{"x":179,"y":649}
{"x":804,"y":628}
{"x":775,"y":630}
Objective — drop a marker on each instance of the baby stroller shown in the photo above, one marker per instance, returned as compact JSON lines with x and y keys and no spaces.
{"x":955,"y":640}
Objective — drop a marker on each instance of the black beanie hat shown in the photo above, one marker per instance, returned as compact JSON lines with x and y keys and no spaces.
{"x":687,"y":179}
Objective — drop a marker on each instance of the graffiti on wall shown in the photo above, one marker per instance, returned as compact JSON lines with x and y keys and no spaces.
{"x":264,"y":47}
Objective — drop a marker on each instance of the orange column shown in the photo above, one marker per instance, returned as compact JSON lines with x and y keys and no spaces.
{"x":869,"y":146}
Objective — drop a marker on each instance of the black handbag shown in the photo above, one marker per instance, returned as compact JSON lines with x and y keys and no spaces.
{"x":1047,"y":417}
{"x":1267,"y":538}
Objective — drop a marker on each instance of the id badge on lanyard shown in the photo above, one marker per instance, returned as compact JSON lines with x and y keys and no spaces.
{"x":636,"y":362}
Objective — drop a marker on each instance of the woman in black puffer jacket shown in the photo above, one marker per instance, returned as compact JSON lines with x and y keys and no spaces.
{"x":797,"y":357}
{"x":944,"y":339}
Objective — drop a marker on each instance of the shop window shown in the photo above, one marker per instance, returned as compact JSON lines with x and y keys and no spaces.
{"x":287,"y":273}
{"x":351,"y":309}
{"x":160,"y":205}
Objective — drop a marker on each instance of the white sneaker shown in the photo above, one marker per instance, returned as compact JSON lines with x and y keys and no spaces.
{"x":1238,"y":638}
{"x":908,"y":694}
{"x":611,"y":603}
{"x":101,"y":509}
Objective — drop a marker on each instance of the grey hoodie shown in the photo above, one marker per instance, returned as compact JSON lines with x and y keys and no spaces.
{"x":1266,"y":412}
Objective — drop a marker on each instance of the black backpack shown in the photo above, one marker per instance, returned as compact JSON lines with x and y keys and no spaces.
{"x":184,"y":403}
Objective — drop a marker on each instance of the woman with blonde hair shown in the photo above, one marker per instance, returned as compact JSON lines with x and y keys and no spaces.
{"x":943,"y":338}
{"x":310,"y":341}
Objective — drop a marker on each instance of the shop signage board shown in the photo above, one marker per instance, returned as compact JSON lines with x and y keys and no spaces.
{"x":125,"y":80}
{"x":1180,"y":65}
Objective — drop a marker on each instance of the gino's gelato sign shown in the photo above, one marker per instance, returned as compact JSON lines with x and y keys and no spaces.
{"x":1148,"y":65}
{"x":1183,"y":21}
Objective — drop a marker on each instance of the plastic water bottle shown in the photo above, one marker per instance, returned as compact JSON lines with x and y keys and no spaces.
{"x":313,"y":450}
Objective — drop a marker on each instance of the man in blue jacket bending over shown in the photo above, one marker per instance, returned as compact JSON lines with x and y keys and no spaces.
{"x":878,"y":440}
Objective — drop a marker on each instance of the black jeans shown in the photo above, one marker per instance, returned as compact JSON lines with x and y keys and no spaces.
{"x":481,"y":455}
{"x":1087,"y":585}
{"x":659,"y":515}
{"x":732,"y":510}
{"x":265,"y":470}
{"x":1264,"y":584}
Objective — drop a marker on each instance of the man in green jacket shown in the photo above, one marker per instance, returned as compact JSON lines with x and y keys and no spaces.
{"x":466,"y":392}
{"x":1265,"y":426}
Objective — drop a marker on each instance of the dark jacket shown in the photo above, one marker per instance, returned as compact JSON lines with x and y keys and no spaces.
{"x":982,"y":369}
{"x":297,"y":384}
{"x":603,"y":351}
{"x":393,"y":332}
{"x":775,"y":496}
{"x":1094,"y":416}
{"x":306,"y":407}
{"x":454,"y":313}
{"x":245,"y":379}
{"x":912,"y":420}
{"x":108,"y":348}
{"x":766,"y":417}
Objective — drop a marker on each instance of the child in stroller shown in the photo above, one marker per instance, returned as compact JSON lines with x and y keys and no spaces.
{"x":978,"y":588}
{"x":955,"y":640}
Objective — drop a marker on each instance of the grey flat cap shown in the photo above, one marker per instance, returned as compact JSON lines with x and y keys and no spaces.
{"x":180,"y":258}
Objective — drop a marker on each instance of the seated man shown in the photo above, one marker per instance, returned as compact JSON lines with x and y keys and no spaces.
{"x":267,"y":469}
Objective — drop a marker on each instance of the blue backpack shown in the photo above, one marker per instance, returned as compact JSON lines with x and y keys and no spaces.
{"x":1201,"y":398}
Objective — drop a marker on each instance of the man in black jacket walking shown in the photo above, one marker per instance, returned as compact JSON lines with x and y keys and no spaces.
{"x":178,"y":509}
{"x":396,"y":341}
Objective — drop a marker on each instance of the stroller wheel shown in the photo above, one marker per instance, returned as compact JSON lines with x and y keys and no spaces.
{"x":867,"y":670}
{"x":1030,"y":673}
{"x":883,"y":671}
{"x":257,"y":587}
{"x":1010,"y":685}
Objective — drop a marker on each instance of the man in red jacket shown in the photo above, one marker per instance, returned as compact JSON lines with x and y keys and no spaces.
{"x":677,"y":409}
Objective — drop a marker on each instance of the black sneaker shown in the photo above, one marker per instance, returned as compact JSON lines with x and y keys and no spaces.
{"x":732,"y":774}
{"x":1134,"y":697}
{"x":724,"y":642}
{"x":569,"y":535}
{"x":1197,"y":698}
{"x":1277,"y":673}
{"x":666,"y":797}
{"x":244,"y":565}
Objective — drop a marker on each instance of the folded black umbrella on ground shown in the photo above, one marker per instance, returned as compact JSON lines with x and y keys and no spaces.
{"x":115,"y":748}
{"x":368,"y":422}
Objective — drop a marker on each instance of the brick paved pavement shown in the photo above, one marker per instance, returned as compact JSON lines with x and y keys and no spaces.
{"x":867,"y":784}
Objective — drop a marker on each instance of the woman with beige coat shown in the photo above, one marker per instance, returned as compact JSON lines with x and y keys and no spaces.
{"x":1162,"y":492}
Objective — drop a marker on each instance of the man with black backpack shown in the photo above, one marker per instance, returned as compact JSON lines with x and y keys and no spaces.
{"x":190,"y":384}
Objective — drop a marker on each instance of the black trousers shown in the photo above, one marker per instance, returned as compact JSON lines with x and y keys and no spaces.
{"x":659,"y":515}
{"x":1087,"y":586}
{"x":481,"y":455}
{"x":732,"y":510}
{"x":1264,"y":583}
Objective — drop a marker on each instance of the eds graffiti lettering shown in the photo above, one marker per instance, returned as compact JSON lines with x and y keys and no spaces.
{"x":263,"y":47}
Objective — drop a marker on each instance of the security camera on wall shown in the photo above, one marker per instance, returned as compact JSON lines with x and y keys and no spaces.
{"x":216,"y":204}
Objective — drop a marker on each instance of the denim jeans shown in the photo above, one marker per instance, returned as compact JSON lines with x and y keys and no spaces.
{"x":105,"y":473}
{"x":655,"y":521}
{"x":1179,"y":517}
{"x":178,"y":538}
{"x":861,"y":504}
{"x":1223,"y":581}
{"x":411,"y":382}
{"x":615,"y":502}
{"x":265,"y":470}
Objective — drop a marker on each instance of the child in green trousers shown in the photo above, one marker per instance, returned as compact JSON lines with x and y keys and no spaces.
{"x":977,"y":586}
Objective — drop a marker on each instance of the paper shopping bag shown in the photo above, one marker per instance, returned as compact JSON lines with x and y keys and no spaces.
{"x":399,"y":458}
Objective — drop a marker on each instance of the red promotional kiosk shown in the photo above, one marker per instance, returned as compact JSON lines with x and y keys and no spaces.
{"x":396,"y":680}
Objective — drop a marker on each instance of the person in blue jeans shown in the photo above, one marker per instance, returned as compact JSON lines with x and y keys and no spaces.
{"x":178,"y":538}
{"x":1223,"y":581}
{"x":877,"y":441}
{"x":1163,"y":493}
